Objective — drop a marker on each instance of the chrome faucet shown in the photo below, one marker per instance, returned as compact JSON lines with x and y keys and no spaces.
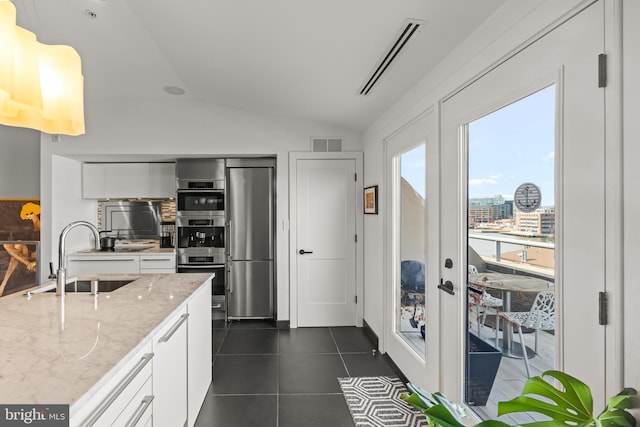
{"x":61,"y":279}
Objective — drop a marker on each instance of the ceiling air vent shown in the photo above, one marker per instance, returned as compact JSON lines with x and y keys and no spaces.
{"x":409,"y":29}
{"x":326,"y":144}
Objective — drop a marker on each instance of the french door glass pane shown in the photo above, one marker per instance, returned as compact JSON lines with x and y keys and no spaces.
{"x":411,"y":322}
{"x":511,"y":250}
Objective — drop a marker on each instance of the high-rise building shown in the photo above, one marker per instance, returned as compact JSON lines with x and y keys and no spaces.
{"x":540,"y":222}
{"x":489,"y":209}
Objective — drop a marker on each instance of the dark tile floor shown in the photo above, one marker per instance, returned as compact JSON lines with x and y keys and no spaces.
{"x":268,"y":377}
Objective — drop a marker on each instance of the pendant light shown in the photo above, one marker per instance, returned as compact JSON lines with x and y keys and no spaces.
{"x":41,"y":86}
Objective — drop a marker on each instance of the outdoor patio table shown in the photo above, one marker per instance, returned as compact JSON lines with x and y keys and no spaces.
{"x":508,"y":283}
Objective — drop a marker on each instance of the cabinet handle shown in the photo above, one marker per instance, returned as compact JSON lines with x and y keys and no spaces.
{"x":166,"y":337}
{"x":155,"y":259}
{"x":144,"y":404}
{"x":117,"y":391}
{"x":101,"y":260}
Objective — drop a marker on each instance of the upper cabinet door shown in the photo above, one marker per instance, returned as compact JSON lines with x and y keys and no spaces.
{"x":93,"y":179}
{"x":162,"y":180}
{"x":128,"y":180}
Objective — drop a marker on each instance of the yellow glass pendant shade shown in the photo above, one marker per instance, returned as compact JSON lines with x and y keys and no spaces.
{"x":41,"y":86}
{"x":62,"y":90}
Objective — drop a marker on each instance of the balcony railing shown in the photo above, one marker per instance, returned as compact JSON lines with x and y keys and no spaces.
{"x":520,"y":242}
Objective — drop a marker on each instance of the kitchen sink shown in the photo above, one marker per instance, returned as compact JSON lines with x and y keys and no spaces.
{"x":85,"y":286}
{"x":103,"y":285}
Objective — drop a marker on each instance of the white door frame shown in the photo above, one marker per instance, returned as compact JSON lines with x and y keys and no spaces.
{"x":293,"y":266}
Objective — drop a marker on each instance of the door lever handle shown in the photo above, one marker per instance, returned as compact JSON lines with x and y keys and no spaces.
{"x":302,"y":252}
{"x":447,"y":287}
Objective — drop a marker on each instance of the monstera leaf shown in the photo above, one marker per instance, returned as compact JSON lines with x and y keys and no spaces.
{"x":438,"y":415}
{"x":570,"y":406}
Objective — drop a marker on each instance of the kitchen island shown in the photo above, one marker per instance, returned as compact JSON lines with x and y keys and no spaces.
{"x":66,"y":350}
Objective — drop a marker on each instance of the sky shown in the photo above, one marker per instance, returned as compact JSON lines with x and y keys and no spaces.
{"x":514,"y":145}
{"x":508,"y":147}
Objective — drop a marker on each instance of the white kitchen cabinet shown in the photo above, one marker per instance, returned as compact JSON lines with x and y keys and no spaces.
{"x":99,"y":264}
{"x":128,"y":180}
{"x":198,"y":351}
{"x":121,"y":397}
{"x":162,"y":180}
{"x":93,"y":179}
{"x":170,"y":372}
{"x":158,"y":263}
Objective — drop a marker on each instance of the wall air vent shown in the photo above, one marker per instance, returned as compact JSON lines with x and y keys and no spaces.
{"x":321,"y":144}
{"x":410,"y":28}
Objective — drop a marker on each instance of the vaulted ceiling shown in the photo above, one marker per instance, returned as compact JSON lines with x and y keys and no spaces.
{"x":299,"y":59}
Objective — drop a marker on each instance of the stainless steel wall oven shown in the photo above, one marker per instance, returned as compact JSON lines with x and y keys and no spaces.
{"x":200,"y":222}
{"x":200,"y":202}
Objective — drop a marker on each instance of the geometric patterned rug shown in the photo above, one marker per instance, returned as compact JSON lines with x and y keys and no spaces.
{"x":375,"y":402}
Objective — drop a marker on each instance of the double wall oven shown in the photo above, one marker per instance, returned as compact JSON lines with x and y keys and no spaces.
{"x":200,"y":222}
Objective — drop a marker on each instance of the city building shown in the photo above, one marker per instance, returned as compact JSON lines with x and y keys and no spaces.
{"x":541,"y":222}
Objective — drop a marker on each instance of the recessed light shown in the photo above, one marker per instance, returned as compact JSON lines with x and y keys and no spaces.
{"x":174,"y":90}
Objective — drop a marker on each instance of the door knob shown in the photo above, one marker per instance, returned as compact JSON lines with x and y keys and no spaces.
{"x":302,"y":252}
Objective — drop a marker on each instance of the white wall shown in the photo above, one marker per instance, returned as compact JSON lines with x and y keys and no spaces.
{"x":67,"y":206}
{"x":19,"y":163}
{"x":179,"y":128}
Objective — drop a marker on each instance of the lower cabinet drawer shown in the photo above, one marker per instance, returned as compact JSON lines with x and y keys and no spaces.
{"x":118,"y":397}
{"x":138,"y":412}
{"x":118,"y":264}
{"x":158,"y":262}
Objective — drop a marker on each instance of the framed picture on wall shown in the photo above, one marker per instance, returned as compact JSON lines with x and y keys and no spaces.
{"x":19,"y":244}
{"x":371,"y":200}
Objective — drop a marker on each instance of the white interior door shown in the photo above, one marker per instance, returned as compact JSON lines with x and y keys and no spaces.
{"x":566,"y":57}
{"x":325,"y":242}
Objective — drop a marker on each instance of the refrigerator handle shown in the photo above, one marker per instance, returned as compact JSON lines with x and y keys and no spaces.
{"x":230,"y":238}
{"x":230,"y":282}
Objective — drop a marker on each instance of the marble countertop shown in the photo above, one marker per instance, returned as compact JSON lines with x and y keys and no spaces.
{"x":61,"y":350}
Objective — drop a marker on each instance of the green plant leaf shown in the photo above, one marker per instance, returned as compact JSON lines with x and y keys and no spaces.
{"x":438,"y":415}
{"x":618,"y":418}
{"x":571,"y":406}
{"x":414,"y":401}
{"x":492,"y":423}
{"x":627,"y":398}
{"x":615,"y":414}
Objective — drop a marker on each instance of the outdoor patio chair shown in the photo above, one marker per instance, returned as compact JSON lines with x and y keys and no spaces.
{"x":482,"y":300}
{"x":541,"y":316}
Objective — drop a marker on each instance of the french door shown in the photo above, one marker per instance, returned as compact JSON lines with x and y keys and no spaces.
{"x":565,"y":61}
{"x":412,"y":332}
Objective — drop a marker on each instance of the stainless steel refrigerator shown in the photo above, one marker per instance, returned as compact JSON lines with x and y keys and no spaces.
{"x":250,"y":261}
